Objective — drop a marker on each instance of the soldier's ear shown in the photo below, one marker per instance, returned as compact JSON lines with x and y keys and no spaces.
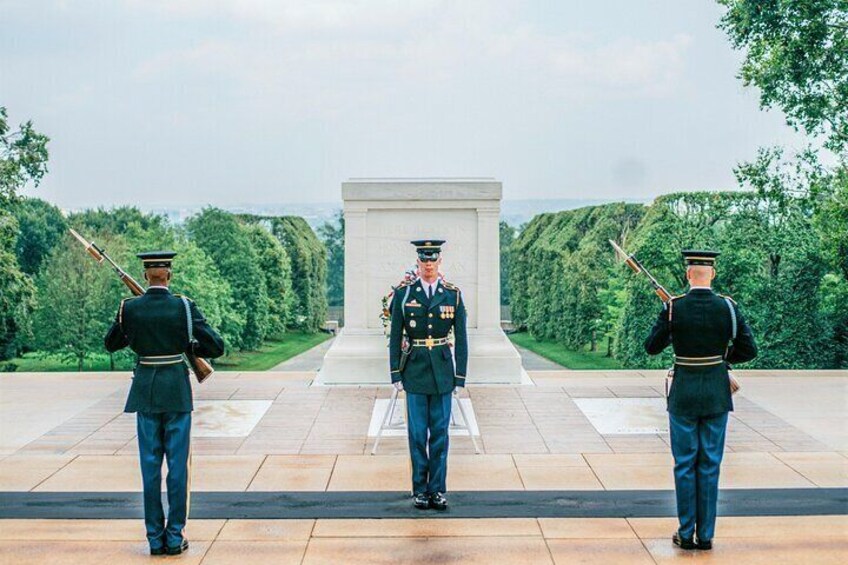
{"x":144,"y":274}
{"x":712,"y":273}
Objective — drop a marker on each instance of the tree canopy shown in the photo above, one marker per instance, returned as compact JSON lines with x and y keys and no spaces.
{"x":796,"y":53}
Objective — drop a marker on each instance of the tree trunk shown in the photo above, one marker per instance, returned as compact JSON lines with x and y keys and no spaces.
{"x":609,"y":347}
{"x":594,"y":346}
{"x":111,"y":362}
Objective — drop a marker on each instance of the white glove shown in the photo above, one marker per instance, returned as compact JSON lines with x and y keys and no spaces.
{"x":399,"y":386}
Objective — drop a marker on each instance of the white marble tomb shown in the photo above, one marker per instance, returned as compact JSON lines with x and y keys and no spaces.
{"x":381,"y":217}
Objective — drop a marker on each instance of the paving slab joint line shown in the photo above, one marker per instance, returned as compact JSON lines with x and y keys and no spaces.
{"x":256,"y":473}
{"x":48,"y":477}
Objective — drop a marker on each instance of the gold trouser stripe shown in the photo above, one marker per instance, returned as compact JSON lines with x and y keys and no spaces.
{"x":188,"y":483}
{"x":409,"y":462}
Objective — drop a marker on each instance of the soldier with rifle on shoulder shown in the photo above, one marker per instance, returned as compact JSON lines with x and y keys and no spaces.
{"x":708,"y":333}
{"x":168,"y":333}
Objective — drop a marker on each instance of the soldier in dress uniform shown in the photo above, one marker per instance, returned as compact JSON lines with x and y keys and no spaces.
{"x":427,"y":308}
{"x":699,"y":325}
{"x":155,"y":326}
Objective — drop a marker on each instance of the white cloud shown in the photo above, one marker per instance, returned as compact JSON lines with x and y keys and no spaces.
{"x":329,"y":57}
{"x":298,"y":15}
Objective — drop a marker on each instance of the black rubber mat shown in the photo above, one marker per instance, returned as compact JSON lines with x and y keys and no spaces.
{"x":465,"y":504}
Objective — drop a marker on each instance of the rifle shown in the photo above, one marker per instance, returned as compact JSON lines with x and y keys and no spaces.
{"x":201,"y":367}
{"x":632,"y":262}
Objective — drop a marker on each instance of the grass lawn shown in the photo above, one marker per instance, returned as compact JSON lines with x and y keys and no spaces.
{"x":583,"y":359}
{"x":35,"y":362}
{"x":271,"y":353}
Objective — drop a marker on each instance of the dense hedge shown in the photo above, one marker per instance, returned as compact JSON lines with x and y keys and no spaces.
{"x":560,"y":271}
{"x":308,"y":258}
{"x":566,"y":288}
{"x":770,"y":264}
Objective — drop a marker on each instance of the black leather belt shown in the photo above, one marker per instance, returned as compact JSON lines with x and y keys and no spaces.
{"x":160,"y":359}
{"x":699,"y":361}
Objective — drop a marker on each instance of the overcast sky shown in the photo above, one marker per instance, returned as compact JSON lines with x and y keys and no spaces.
{"x":273,"y":101}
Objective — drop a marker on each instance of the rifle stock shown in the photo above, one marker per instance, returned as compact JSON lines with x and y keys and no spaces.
{"x":201,"y":367}
{"x":637,"y":267}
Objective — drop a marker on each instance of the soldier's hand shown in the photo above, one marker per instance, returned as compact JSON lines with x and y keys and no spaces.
{"x":399,"y":386}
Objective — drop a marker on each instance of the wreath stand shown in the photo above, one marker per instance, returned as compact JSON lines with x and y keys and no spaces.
{"x":389,"y":422}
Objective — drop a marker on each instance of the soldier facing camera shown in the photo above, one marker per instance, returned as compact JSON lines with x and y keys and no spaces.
{"x":427,"y":308}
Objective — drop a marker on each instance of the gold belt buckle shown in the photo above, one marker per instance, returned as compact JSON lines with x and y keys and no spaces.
{"x":429,"y":342}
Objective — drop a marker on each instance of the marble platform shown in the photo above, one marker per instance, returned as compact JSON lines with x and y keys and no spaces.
{"x":66,"y":434}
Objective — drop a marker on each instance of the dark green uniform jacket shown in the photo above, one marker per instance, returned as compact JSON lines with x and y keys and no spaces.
{"x":701,"y":326}
{"x":429,"y":371}
{"x":155,"y":324}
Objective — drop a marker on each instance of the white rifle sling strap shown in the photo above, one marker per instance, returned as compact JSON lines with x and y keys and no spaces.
{"x":732,"y":317}
{"x":669,"y":376}
{"x":734,"y":384}
{"x":189,"y":324}
{"x":403,"y":304}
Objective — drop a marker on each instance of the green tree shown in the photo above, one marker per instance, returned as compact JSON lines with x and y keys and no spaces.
{"x":125,"y":221}
{"x":23,"y":157}
{"x":275,"y":266}
{"x":16,"y":292}
{"x":76,"y":303}
{"x":332,"y":234}
{"x":195,"y":275}
{"x":23,"y":160}
{"x":41,"y":227}
{"x":227,"y":242}
{"x":796,"y":53}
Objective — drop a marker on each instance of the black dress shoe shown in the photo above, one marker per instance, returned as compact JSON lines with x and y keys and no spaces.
{"x":438,"y":501}
{"x":704,"y":545}
{"x":157,"y":550}
{"x":681,"y":542}
{"x":421,"y":501}
{"x":179,"y":549}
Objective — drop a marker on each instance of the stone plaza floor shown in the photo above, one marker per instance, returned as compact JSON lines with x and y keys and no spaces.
{"x":69,"y":469}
